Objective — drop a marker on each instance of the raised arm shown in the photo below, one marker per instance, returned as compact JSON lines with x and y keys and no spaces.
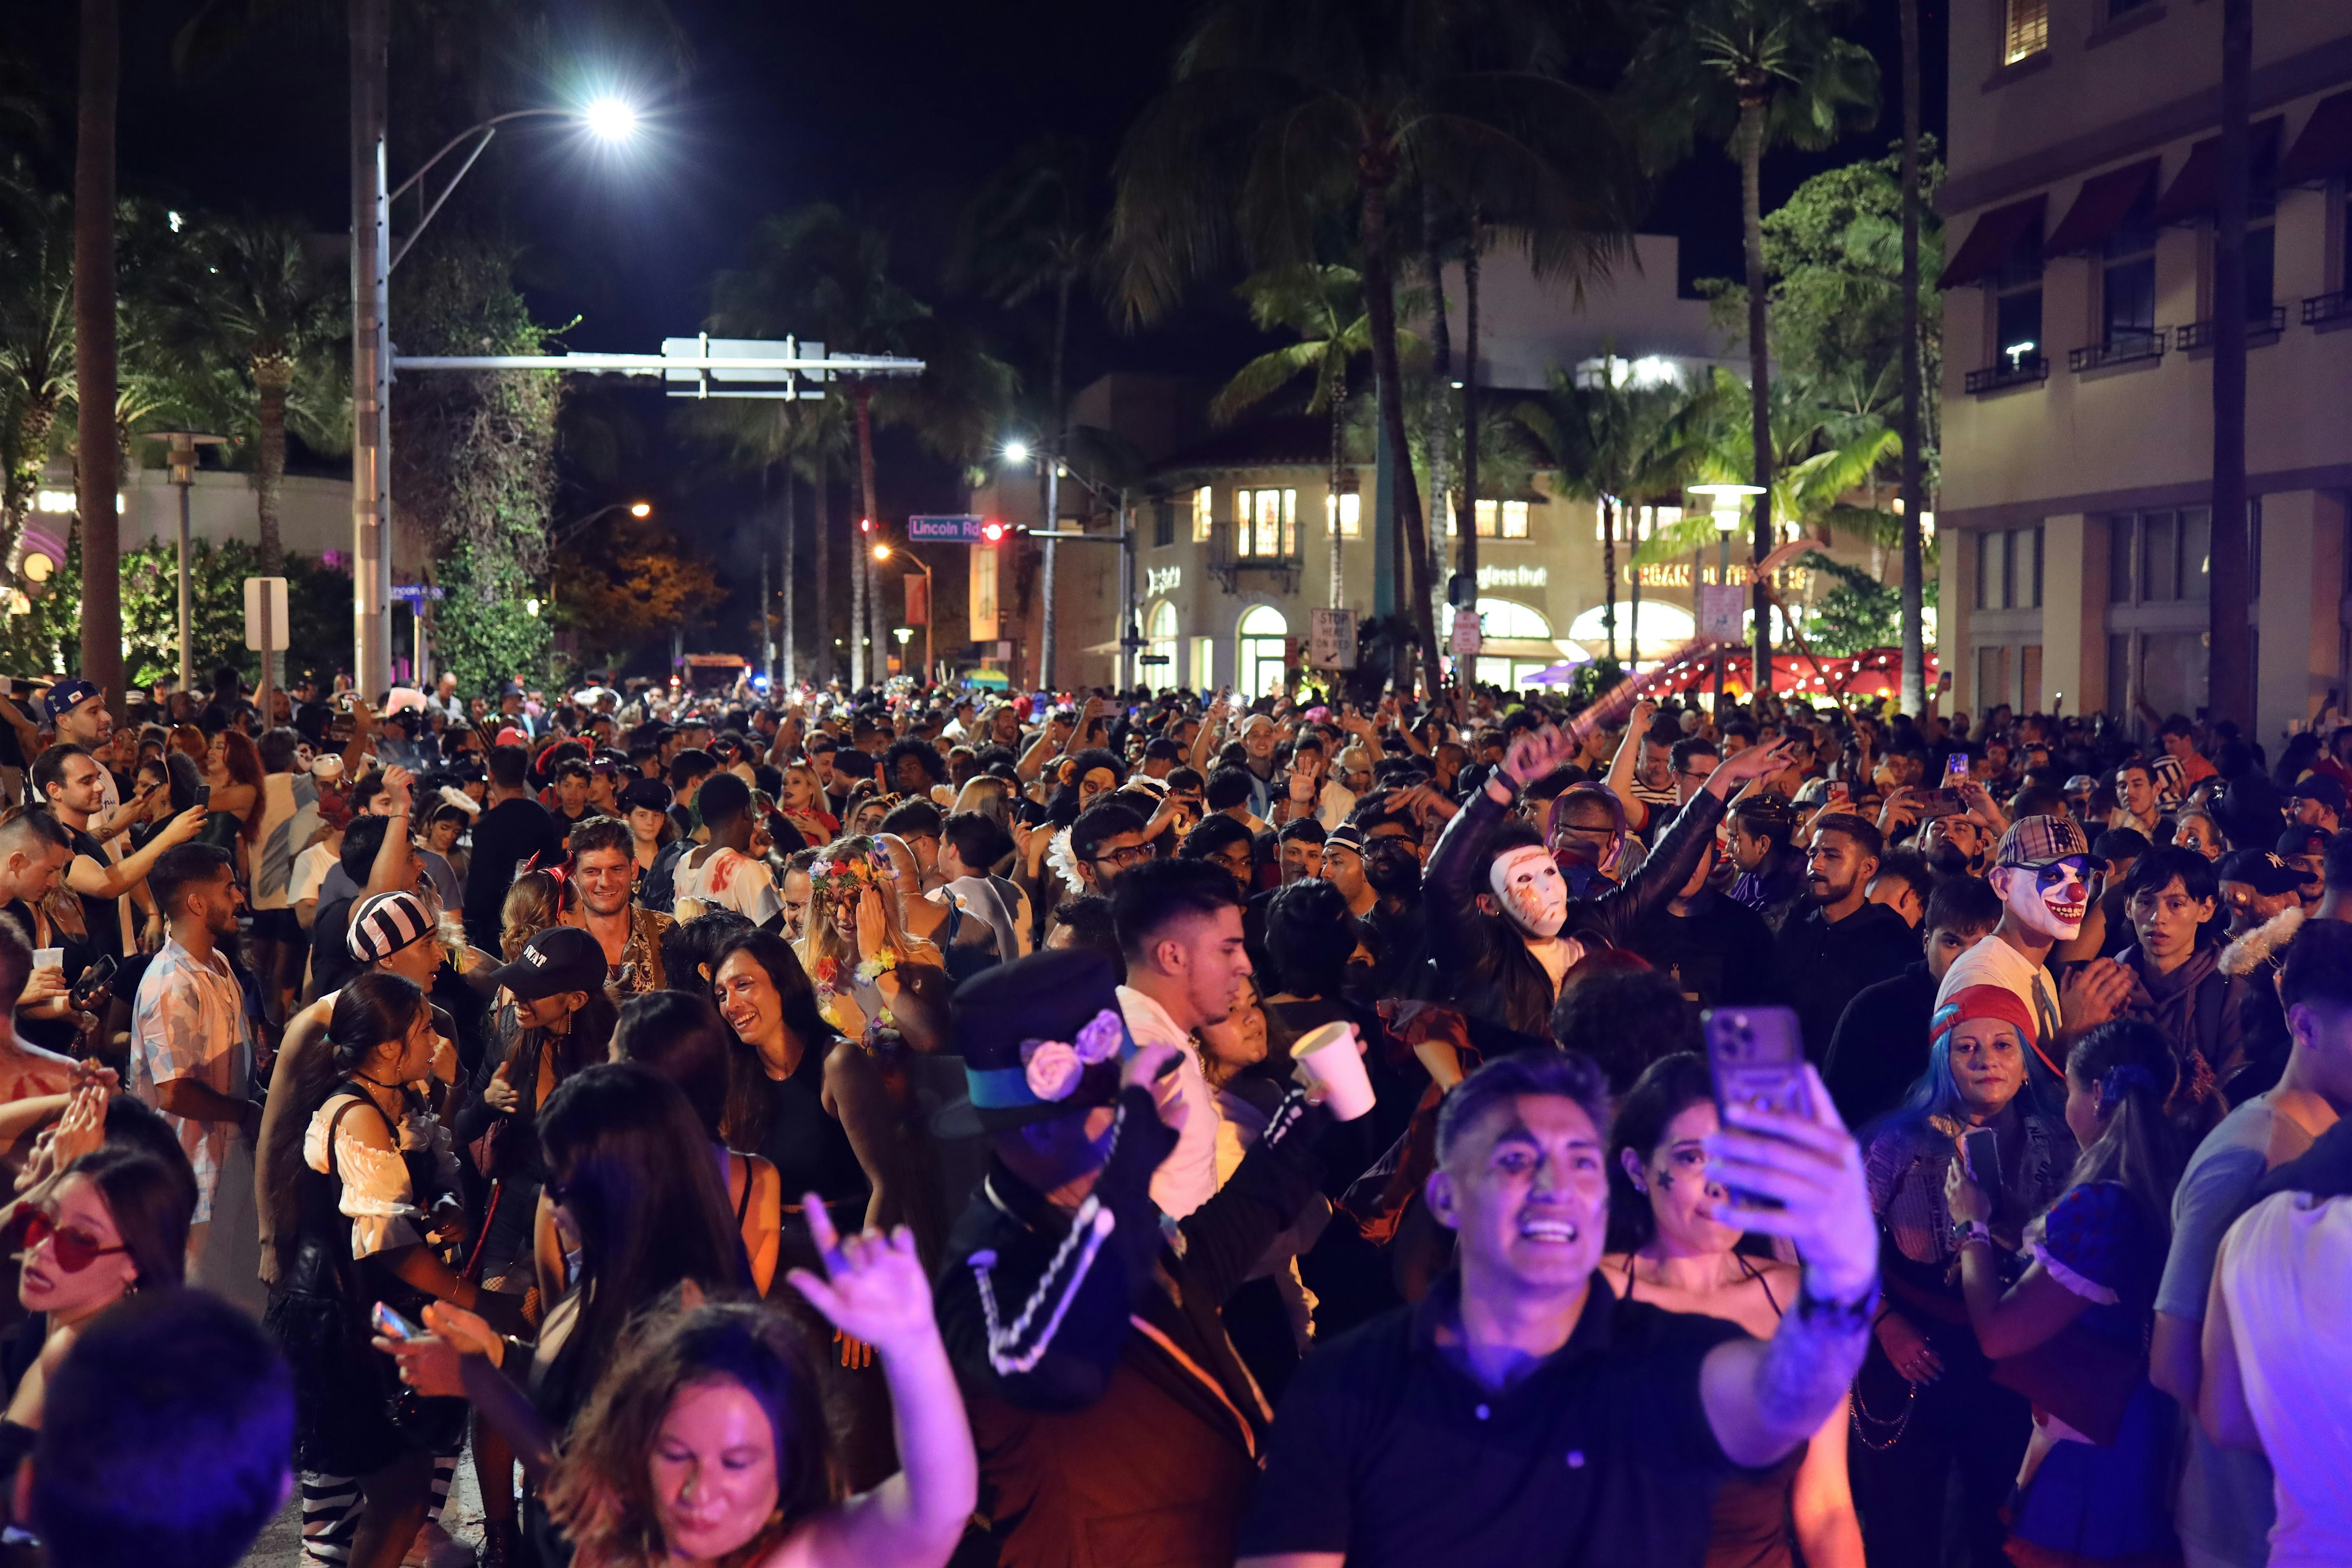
{"x":1764,"y":1398}
{"x":97,"y":878}
{"x":874,"y":1292}
{"x":1621,"y":766}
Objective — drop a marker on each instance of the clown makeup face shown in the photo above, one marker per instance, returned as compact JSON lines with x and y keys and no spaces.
{"x":1527,"y":884}
{"x":2049,"y":900}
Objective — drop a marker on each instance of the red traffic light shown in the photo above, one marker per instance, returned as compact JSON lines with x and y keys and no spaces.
{"x":991,"y":531}
{"x":865,"y":525}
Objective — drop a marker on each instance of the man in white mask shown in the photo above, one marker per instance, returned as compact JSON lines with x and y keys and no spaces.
{"x":1503,"y":933}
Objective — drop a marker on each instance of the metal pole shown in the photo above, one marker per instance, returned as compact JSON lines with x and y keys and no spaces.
{"x":1053,"y":522}
{"x":371,"y":348}
{"x":268,"y":644}
{"x":1127,"y":622}
{"x":184,"y":577}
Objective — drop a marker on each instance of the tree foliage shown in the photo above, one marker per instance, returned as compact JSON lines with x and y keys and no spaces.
{"x":1859,"y":612}
{"x":629,"y":584}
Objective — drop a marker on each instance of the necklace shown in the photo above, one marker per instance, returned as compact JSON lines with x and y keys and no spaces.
{"x":1895,"y":1428}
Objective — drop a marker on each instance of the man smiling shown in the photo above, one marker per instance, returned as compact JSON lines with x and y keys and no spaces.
{"x":1516,"y":1413}
{"x":2041,"y":873}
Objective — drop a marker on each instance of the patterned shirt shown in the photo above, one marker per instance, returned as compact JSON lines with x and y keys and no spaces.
{"x":639,"y":970}
{"x":189,"y":1022}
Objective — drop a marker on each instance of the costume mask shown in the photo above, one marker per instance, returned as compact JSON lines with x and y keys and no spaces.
{"x":2050,"y":899}
{"x":1533,"y":895}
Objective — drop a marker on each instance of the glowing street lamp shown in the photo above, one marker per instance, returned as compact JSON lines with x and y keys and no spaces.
{"x":883,"y":552}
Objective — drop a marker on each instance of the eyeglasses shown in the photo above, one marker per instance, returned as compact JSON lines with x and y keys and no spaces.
{"x":1133,"y":855}
{"x":74,"y":1250}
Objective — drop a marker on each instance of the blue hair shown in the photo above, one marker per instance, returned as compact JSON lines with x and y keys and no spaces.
{"x":1936,"y":1092}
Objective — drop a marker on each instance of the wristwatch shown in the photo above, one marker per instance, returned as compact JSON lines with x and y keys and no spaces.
{"x":1965,"y":1231}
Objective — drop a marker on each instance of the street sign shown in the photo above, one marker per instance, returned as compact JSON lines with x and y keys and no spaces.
{"x":958,"y":529}
{"x":1469,"y":637}
{"x":1722,"y":612}
{"x":1331,"y":639}
{"x":415,"y":593}
{"x":265,"y":613}
{"x":762,"y":381}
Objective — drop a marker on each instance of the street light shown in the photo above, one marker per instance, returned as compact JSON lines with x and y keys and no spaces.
{"x":373,"y":256}
{"x":1723,"y":501}
{"x":930,"y":601}
{"x":1016,"y":451}
{"x":180,"y":468}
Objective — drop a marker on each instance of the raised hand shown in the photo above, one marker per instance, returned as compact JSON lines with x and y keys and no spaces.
{"x":2094,"y":994}
{"x":501,"y":1094}
{"x":1812,"y":1166}
{"x":1754,"y":763}
{"x":1537,"y":752}
{"x":1167,"y":1092}
{"x":874,"y":1290}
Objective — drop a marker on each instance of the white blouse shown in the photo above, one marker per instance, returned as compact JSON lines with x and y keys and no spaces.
{"x":377,"y":1194}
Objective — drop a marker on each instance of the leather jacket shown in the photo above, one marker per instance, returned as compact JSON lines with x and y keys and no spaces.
{"x":1480,"y":963}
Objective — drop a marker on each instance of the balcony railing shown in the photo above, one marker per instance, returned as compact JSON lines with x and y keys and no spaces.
{"x":2320,"y":310}
{"x":2123,"y":348}
{"x":1225,"y":563}
{"x":2025,"y":369}
{"x":2259,"y":330}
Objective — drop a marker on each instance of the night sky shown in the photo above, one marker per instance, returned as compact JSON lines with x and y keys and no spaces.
{"x":896,"y":111}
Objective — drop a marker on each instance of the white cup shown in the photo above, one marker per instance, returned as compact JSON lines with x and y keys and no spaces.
{"x":48,"y":958}
{"x":1333,"y":1065}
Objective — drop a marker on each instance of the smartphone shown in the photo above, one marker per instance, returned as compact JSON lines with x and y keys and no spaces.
{"x":392,"y":1325}
{"x":1756,"y":1057}
{"x":1948,"y":801}
{"x":1980,"y":1155}
{"x":95,"y":979}
{"x":204,"y":795}
{"x":1841,"y":794}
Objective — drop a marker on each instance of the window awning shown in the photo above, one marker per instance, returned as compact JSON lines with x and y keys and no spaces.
{"x":1992,"y":239}
{"x":2324,"y":148}
{"x":2103,"y":203}
{"x":2196,"y":190}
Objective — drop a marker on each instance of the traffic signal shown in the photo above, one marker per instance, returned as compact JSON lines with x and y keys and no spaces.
{"x":993,"y":531}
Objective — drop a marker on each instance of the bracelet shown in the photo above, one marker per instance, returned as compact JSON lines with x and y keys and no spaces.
{"x":1967,"y":1231}
{"x":1852,"y":1316}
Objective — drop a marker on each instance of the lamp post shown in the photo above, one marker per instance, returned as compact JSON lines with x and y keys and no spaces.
{"x":180,"y":468}
{"x":930,"y":601}
{"x":1723,"y":502}
{"x":373,"y":256}
{"x":1116,"y":499}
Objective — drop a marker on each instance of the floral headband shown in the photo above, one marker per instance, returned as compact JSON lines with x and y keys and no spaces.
{"x":1051,"y":1069}
{"x":844,"y":875}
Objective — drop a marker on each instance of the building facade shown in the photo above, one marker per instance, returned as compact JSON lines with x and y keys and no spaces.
{"x":2077,"y":424}
{"x":1233,"y":527}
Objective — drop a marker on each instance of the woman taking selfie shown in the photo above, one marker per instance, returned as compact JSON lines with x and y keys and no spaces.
{"x":1925,"y":1402}
{"x":705,"y":1445}
{"x":1675,"y":1254}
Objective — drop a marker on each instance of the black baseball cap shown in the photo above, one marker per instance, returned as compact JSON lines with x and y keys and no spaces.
{"x":559,"y":959}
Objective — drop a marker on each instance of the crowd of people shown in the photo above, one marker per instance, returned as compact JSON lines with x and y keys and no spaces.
{"x":924,"y":1125}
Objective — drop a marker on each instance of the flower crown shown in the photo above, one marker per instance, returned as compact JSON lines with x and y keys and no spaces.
{"x":847,"y":872}
{"x":1053,"y":1067}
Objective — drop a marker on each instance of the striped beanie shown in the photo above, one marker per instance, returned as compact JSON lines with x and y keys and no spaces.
{"x":384,"y":924}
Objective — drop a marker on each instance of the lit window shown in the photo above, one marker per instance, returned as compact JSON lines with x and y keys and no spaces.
{"x":1511,"y":514}
{"x":1203,"y":529}
{"x":2027,"y":31}
{"x":1348,"y":506}
{"x":1265,"y":524}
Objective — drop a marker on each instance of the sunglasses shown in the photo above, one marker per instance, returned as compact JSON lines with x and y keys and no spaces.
{"x":74,"y":1250}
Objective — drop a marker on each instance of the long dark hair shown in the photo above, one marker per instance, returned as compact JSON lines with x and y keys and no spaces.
{"x":1667,"y":1088}
{"x":602,"y":1491}
{"x":747,"y":1100}
{"x":373,"y":1008}
{"x":629,"y":1161}
{"x":151,"y":1207}
{"x":2140,"y":1146}
{"x":680,"y":1036}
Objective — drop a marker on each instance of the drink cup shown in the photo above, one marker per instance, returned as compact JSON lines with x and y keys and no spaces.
{"x":1333,"y":1065}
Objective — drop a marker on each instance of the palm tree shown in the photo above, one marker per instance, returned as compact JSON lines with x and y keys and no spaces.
{"x":1915,"y":501}
{"x":251,"y":297}
{"x":36,"y":348}
{"x":1753,"y":74}
{"x":2230,"y":679}
{"x":1286,"y":116}
{"x":803,"y":437}
{"x":1324,"y":304}
{"x":1613,"y":443}
{"x":819,"y":273}
{"x":1038,"y":226}
{"x":97,"y":445}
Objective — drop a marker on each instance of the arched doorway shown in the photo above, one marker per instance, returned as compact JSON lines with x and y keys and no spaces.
{"x":1258,"y":671}
{"x":1159,"y":666}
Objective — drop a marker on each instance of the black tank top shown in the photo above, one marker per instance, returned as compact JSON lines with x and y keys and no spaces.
{"x":807,"y":1146}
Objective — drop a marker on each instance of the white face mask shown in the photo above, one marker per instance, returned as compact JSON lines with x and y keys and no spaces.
{"x":2053,"y":909}
{"x":1533,"y":894}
